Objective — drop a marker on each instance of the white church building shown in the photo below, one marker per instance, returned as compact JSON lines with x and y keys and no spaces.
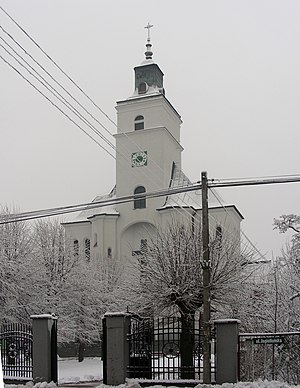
{"x":148,"y":159}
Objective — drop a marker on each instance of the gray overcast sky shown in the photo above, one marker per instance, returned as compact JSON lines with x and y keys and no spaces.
{"x":231,"y":70}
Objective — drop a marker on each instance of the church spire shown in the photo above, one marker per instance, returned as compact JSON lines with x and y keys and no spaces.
{"x":148,"y":52}
{"x":148,"y":76}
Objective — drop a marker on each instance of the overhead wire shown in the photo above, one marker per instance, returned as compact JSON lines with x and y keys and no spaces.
{"x":65,"y":89}
{"x":82,"y":92}
{"x":256,"y":177}
{"x":215,"y":194}
{"x":57,"y":83}
{"x":25,"y":216}
{"x":254,"y":182}
{"x":55,"y":105}
{"x":55,"y":93}
{"x":55,"y":64}
{"x":26,"y":69}
{"x":64,"y":100}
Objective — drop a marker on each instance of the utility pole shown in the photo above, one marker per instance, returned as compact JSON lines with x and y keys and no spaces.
{"x":206,"y":282}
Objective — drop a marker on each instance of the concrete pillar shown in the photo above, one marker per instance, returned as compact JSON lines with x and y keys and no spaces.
{"x":116,"y":348}
{"x":44,"y":348}
{"x":227,"y":331}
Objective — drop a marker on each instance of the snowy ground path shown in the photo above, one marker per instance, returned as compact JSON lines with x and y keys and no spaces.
{"x":88,"y":374}
{"x":72,"y":371}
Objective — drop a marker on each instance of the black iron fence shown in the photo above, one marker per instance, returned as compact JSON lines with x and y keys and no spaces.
{"x":272,"y":356}
{"x":16,"y":351}
{"x":167,"y":349}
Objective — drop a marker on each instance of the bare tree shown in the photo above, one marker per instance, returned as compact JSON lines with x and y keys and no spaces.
{"x":168,"y":277}
{"x":288,"y":265}
{"x":170,"y":270}
{"x":15,"y":273}
{"x":77,"y":288}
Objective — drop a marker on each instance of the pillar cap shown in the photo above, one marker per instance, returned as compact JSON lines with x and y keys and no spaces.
{"x":227,"y":320}
{"x":43,"y":316}
{"x":119,"y":314}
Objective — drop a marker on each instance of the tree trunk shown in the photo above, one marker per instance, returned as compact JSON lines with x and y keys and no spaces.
{"x":187,"y":369}
{"x":80,"y":350}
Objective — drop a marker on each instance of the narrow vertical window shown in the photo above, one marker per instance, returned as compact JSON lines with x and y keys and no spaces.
{"x":109,"y":252}
{"x":76,"y":247}
{"x":140,"y":201}
{"x":139,"y":123}
{"x":87,"y":249}
{"x":219,"y":236}
{"x":144,"y":245}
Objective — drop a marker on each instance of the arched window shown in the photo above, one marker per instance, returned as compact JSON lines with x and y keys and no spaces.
{"x":142,"y":88}
{"x":140,"y":202}
{"x":219,"y":232}
{"x":76,"y":247}
{"x":87,"y":249}
{"x":109,"y":252}
{"x":139,"y":123}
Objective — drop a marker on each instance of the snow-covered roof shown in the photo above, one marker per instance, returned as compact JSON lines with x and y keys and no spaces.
{"x":191,"y":199}
{"x":152,"y":90}
{"x":90,"y":212}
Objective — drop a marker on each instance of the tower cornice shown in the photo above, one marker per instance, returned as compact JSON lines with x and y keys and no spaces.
{"x":153,"y":96}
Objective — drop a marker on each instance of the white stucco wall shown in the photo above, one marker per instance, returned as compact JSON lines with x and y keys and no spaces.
{"x":157,"y":112}
{"x":123,"y":230}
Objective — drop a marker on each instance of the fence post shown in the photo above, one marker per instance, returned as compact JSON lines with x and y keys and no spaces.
{"x":44,"y":332}
{"x":1,"y":373}
{"x":227,"y":332}
{"x":116,"y":348}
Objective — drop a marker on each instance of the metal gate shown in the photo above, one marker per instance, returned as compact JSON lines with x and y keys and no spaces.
{"x":272,"y":356}
{"x":166,"y":349}
{"x":16,"y":351}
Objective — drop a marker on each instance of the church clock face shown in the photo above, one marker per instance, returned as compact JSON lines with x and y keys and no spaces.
{"x":139,"y":159}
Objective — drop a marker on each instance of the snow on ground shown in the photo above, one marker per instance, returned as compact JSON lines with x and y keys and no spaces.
{"x":131,"y":384}
{"x":72,"y":371}
{"x":257,"y":384}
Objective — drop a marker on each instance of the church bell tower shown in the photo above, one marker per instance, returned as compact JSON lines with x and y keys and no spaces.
{"x":148,"y":135}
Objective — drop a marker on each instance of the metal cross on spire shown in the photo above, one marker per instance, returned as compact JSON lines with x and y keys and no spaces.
{"x":148,"y":26}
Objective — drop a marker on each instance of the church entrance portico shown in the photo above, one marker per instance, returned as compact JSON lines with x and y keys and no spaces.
{"x":136,"y":237}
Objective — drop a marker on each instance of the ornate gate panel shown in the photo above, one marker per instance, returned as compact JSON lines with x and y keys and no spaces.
{"x":140,"y":347}
{"x":16,"y":351}
{"x":167,"y":348}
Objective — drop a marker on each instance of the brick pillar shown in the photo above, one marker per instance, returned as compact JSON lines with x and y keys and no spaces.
{"x":227,"y":332}
{"x":116,"y":348}
{"x":44,"y":348}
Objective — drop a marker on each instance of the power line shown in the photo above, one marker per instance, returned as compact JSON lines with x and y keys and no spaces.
{"x":54,"y":91}
{"x":74,"y":84}
{"x":254,"y":182}
{"x":55,"y":105}
{"x":257,"y":177}
{"x":114,"y":201}
{"x":55,"y":64}
{"x":92,"y":205}
{"x":60,"y":98}
{"x":214,"y":184}
{"x":58,"y":83}
{"x":254,"y":248}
